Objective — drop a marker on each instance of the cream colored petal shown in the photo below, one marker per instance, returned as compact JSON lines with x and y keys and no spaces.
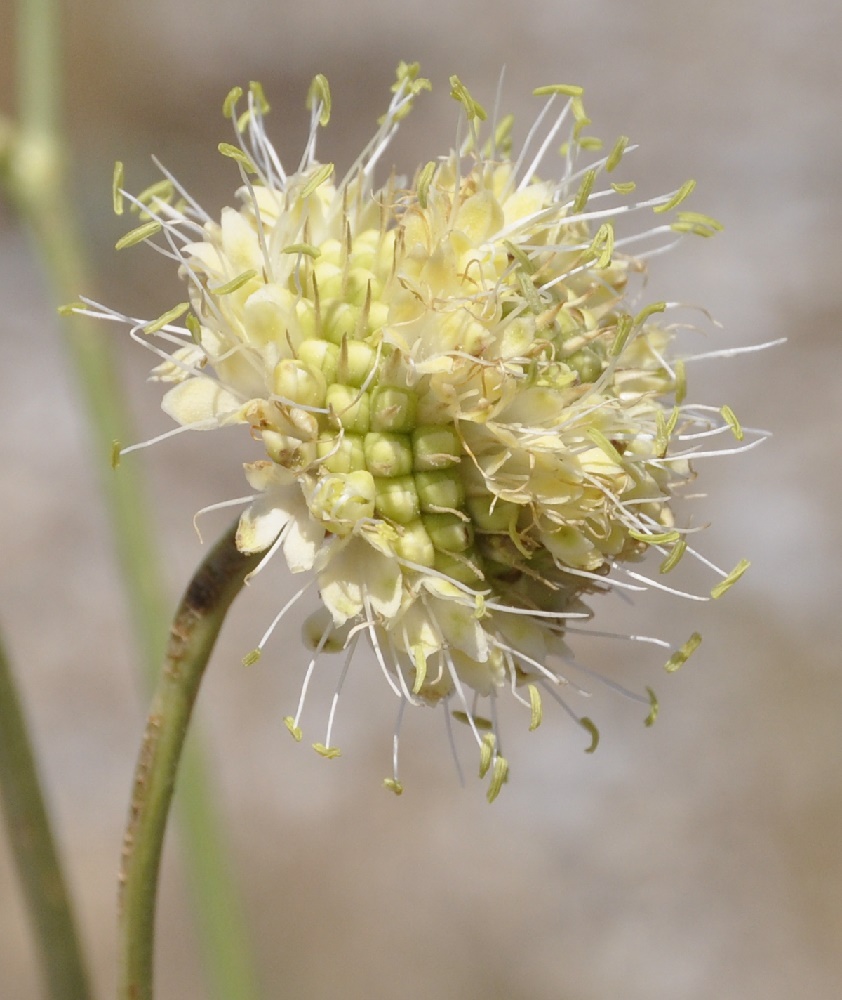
{"x":304,"y":539}
{"x":341,"y":585}
{"x":201,"y":400}
{"x":260,"y":525}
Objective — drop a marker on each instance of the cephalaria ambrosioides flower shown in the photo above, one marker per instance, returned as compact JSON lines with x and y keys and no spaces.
{"x":467,"y":423}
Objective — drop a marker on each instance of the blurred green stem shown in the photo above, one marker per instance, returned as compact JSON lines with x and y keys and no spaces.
{"x":34,"y":852}
{"x":36,"y":182}
{"x":195,"y":628}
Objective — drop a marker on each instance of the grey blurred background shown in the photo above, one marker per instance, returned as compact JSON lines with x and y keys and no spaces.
{"x":698,"y":859}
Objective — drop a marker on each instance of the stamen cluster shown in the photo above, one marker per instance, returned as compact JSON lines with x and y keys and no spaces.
{"x":466,"y":427}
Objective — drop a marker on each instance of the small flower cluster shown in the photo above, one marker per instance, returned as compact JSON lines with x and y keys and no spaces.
{"x":466,"y":428}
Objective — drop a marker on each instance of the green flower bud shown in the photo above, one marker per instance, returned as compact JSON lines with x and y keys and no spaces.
{"x":322,"y":356}
{"x":448,"y":532}
{"x":299,"y":383}
{"x":350,"y":406}
{"x":393,"y":409}
{"x":340,"y":321}
{"x":490,"y":516}
{"x":397,"y":499}
{"x":388,"y":455}
{"x":438,"y":490}
{"x":586,"y":363}
{"x":342,"y":454}
{"x":356,"y":359}
{"x":436,"y":446}
{"x":415,"y":545}
{"x":458,"y":569}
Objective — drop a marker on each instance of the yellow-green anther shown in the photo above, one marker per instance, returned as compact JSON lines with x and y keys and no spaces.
{"x":295,"y":732}
{"x":602,"y":246}
{"x":529,"y":292}
{"x":116,"y":451}
{"x":397,"y":499}
{"x":494,"y":518}
{"x":568,"y":89}
{"x":138,"y":235}
{"x":329,"y":753}
{"x":730,"y":418}
{"x":319,"y":94}
{"x":234,"y":284}
{"x":683,"y":653}
{"x":486,"y":753}
{"x":499,"y":775}
{"x":699,"y":218}
{"x":345,"y":454}
{"x":480,"y":722}
{"x":321,"y":355}
{"x":295,"y":382}
{"x":659,"y":538}
{"x":388,"y":455}
{"x":350,"y":407}
{"x":251,"y":658}
{"x":259,"y":97}
{"x":414,"y":544}
{"x":695,"y":228}
{"x":69,"y":308}
{"x":393,"y":786}
{"x":584,"y":192}
{"x":616,"y":154}
{"x":602,"y":442}
{"x":448,"y":532}
{"x":229,"y":105}
{"x":536,"y":707}
{"x":578,"y":109}
{"x":459,"y":92}
{"x":168,"y":317}
{"x":590,"y":143}
{"x":680,"y":382}
{"x":623,"y":187}
{"x":425,"y":179}
{"x":589,"y":725}
{"x":440,"y":490}
{"x":625,"y":325}
{"x":672,"y":420}
{"x":303,"y":248}
{"x":116,"y":186}
{"x":676,"y":199}
{"x":653,"y":708}
{"x":393,"y":409}
{"x":647,"y":311}
{"x":235,"y":153}
{"x":521,"y":256}
{"x":675,"y":554}
{"x":318,"y":178}
{"x":356,"y":360}
{"x":731,"y":579}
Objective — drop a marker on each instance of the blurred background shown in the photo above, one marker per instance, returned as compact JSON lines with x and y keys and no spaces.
{"x":700,"y":858}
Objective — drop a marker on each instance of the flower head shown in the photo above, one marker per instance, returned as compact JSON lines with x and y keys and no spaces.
{"x":467,"y":425}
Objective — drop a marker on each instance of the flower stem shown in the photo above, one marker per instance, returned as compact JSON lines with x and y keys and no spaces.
{"x":34,"y":852}
{"x":36,"y":183}
{"x":194,"y":631}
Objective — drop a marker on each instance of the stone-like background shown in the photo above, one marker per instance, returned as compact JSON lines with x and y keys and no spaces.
{"x":699,"y":859}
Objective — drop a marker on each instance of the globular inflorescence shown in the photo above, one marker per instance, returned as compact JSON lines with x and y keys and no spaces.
{"x":468,"y":421}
